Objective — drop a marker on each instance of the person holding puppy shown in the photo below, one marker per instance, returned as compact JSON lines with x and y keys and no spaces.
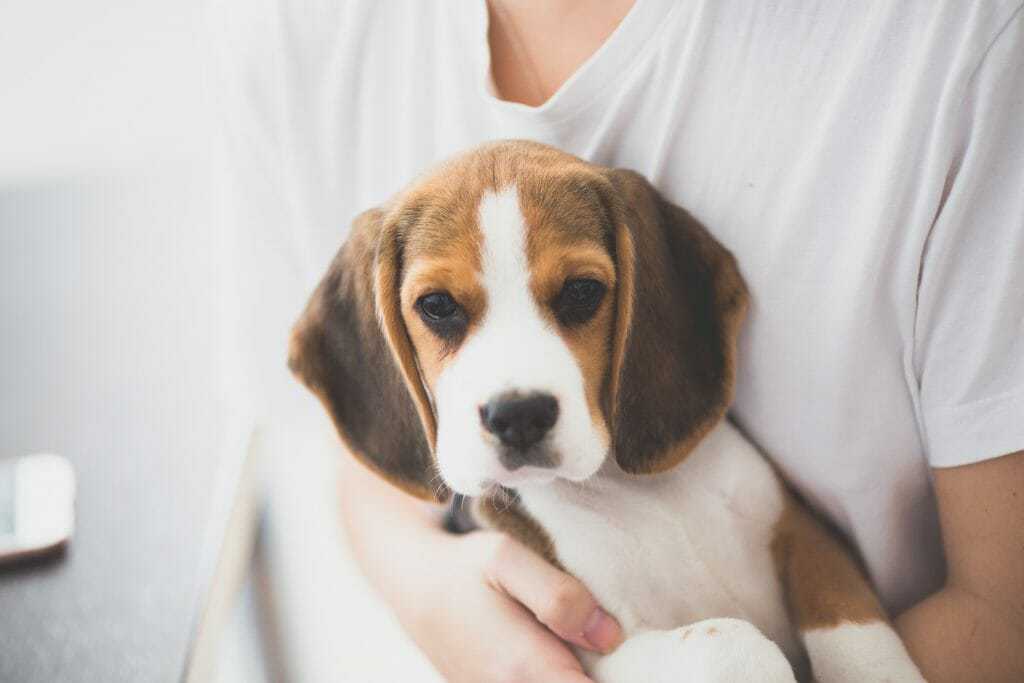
{"x":863,"y":163}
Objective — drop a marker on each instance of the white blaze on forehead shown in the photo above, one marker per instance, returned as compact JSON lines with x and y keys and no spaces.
{"x":506,"y":270}
{"x":512,"y":348}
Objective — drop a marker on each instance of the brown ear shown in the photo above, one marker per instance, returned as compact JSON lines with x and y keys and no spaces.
{"x":351,"y":348}
{"x":679,"y":306}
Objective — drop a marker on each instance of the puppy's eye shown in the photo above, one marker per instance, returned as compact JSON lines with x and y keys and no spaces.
{"x":578,"y":301}
{"x":437,"y":306}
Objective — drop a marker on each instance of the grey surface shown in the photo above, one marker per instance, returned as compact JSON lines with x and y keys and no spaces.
{"x":107,"y":356}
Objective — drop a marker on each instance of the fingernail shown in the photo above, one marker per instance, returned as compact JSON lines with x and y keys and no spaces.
{"x":602,"y":631}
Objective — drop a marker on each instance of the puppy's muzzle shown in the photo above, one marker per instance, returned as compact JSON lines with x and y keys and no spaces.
{"x":520,"y":421}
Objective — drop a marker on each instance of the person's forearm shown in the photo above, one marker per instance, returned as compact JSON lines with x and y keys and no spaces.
{"x":954,"y":635}
{"x":386,"y":528}
{"x":372,"y":501}
{"x":973,"y":629}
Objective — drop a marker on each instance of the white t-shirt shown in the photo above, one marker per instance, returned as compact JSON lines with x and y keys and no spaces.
{"x":864,"y":161}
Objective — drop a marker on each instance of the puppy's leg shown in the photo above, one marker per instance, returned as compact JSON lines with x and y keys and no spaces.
{"x":843,"y":626}
{"x":711,"y":651}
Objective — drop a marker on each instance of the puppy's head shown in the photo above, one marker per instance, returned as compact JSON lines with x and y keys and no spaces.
{"x":516,"y":316}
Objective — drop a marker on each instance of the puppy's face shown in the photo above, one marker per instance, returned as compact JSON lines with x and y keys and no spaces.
{"x":509,"y":300}
{"x":517,"y":315}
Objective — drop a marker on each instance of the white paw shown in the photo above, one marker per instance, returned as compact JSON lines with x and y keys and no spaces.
{"x":711,"y":651}
{"x":732,"y":650}
{"x":860,"y":653}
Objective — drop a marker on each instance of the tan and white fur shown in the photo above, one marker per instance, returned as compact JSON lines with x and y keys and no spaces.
{"x":518,"y":278}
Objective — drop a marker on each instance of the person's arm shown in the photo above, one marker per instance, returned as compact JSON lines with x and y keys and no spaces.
{"x":970,"y":362}
{"x":481,"y":606}
{"x":973,"y":629}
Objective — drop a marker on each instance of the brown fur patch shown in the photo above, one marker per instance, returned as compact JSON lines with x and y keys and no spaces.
{"x":505,"y":513}
{"x":387,"y":283}
{"x":441,"y":252}
{"x":459,"y":279}
{"x":680,"y":305}
{"x":569,"y":237}
{"x":339,"y":350}
{"x":823,"y":583}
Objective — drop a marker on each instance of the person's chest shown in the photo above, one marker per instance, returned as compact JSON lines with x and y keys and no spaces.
{"x":814,"y":143}
{"x":771,"y":130}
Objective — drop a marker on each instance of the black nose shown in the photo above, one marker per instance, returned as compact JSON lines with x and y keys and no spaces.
{"x":520,"y":421}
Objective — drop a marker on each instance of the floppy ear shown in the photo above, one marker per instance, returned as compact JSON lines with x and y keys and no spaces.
{"x":680,"y":302}
{"x":351,"y":348}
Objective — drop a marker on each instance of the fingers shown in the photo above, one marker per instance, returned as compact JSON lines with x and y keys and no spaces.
{"x":559,"y":601}
{"x":545,"y":659}
{"x":529,"y":652}
{"x":572,"y":677}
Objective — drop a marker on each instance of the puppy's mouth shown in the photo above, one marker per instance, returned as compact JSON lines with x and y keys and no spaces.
{"x":544,"y":467}
{"x":539,"y":463}
{"x":474,"y":470}
{"x":540,"y":456}
{"x":526,"y":476}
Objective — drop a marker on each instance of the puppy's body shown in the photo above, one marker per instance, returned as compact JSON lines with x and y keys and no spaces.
{"x":670,"y":549}
{"x":522,"y":319}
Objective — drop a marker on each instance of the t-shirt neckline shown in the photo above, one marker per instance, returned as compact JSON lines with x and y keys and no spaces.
{"x":596,"y":75}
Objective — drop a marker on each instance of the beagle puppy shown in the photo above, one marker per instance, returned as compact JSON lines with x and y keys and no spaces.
{"x":557,"y":340}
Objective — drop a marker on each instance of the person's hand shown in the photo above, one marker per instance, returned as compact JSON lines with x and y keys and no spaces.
{"x":481,"y":606}
{"x":498,"y":612}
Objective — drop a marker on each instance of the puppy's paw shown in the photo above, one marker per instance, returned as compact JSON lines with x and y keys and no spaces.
{"x":732,"y":650}
{"x":859,"y":653}
{"x":713,"y":651}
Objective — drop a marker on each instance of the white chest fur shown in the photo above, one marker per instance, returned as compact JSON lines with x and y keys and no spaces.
{"x":665,"y":550}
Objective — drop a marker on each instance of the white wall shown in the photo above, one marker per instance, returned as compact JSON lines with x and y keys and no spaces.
{"x":108,"y":265}
{"x":92,"y":86}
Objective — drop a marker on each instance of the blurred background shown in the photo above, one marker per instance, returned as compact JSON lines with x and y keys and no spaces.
{"x":110,"y":307}
{"x":109,"y":310}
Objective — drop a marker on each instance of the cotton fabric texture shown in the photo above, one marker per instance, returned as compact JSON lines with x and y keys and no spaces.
{"x":864,"y":161}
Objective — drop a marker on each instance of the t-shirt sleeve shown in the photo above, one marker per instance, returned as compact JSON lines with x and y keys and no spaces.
{"x":969,"y":333}
{"x":264,"y":228}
